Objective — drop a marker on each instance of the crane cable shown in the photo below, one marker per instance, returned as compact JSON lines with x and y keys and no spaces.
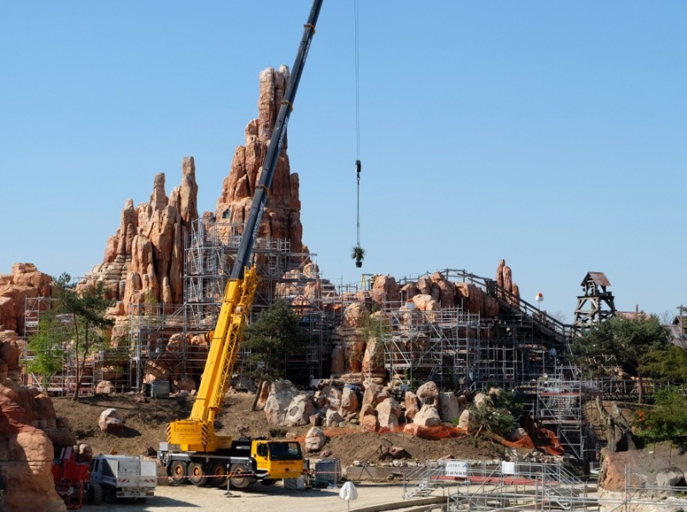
{"x":358,"y":165}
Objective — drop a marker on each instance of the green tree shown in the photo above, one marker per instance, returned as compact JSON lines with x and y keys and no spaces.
{"x":668,"y":366}
{"x":666,"y":420}
{"x":272,"y":338}
{"x":47,"y":348}
{"x":594,"y":352}
{"x":624,"y":342}
{"x":492,"y":415}
{"x":88,"y":323}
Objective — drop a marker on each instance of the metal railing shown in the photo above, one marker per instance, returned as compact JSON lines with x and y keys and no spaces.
{"x":496,"y":485}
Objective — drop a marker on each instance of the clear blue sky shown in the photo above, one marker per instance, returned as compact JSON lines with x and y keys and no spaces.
{"x":551,"y":134}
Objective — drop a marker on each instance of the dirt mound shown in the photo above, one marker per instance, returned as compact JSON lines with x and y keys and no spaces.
{"x":145,"y":425}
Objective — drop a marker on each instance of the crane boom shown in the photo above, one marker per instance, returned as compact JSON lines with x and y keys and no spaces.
{"x":260,"y":198}
{"x":197,"y":432}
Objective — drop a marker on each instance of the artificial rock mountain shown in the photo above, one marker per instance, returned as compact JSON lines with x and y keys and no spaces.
{"x":143,"y":263}
{"x":144,"y":258}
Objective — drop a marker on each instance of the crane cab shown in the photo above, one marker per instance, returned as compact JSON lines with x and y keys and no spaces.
{"x":277,"y":459}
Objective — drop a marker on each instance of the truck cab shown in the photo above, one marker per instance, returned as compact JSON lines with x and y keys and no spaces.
{"x":277,"y":459}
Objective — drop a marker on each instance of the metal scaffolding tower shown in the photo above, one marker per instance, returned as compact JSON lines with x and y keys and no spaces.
{"x":210,"y":251}
{"x":560,"y":408}
{"x":443,"y":346}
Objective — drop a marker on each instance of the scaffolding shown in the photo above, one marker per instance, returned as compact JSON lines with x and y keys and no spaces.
{"x":560,"y":408}
{"x":33,"y":307}
{"x":500,"y":485}
{"x":100,"y":364}
{"x":521,"y":349}
{"x":210,"y":250}
{"x":457,"y":349}
{"x":461,"y":350}
{"x":443,"y":346}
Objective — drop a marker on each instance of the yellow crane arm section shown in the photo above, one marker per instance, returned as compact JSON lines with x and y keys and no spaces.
{"x":197,"y":432}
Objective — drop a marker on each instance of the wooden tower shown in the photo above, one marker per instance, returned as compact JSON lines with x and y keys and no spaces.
{"x":596,"y":303}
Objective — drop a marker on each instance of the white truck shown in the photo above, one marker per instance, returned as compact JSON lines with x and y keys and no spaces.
{"x":121,"y":476}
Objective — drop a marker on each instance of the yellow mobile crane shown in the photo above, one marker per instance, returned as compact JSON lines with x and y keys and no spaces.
{"x":193,"y":450}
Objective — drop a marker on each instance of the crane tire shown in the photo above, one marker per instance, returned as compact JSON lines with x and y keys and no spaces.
{"x":219,"y":472}
{"x":240,"y":482}
{"x":197,"y":474}
{"x":177,"y":472}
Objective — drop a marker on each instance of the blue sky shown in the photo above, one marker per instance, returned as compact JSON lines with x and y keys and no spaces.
{"x":551,"y":134}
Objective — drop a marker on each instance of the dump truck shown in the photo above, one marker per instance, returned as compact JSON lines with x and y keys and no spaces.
{"x":122,"y":476}
{"x":193,"y":451}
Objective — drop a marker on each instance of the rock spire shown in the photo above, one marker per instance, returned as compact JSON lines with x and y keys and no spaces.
{"x":144,"y":258}
{"x":282,"y":211}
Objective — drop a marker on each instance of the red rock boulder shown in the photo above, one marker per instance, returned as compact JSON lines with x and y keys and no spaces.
{"x":26,"y":454}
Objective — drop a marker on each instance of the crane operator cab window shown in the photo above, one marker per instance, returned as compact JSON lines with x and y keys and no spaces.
{"x":285,"y":451}
{"x":262,"y":450}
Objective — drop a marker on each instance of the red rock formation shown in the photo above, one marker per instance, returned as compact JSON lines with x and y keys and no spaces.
{"x":111,"y":421}
{"x":490,"y":307}
{"x":26,"y":465}
{"x":516,"y":294}
{"x":425,"y":302}
{"x":24,"y":282}
{"x":504,"y":279}
{"x":411,"y":405}
{"x":424,"y":285}
{"x":281,"y":219}
{"x":499,"y":273}
{"x":28,"y":431}
{"x":507,"y":279}
{"x":354,"y":315}
{"x":385,"y":289}
{"x":144,"y":258}
{"x":338,"y":359}
{"x":409,"y":291}
{"x":11,"y":346}
{"x":443,"y":290}
{"x":470,"y":297}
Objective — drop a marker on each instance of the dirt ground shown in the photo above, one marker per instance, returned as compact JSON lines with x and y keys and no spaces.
{"x":145,"y":425}
{"x":183,"y":497}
